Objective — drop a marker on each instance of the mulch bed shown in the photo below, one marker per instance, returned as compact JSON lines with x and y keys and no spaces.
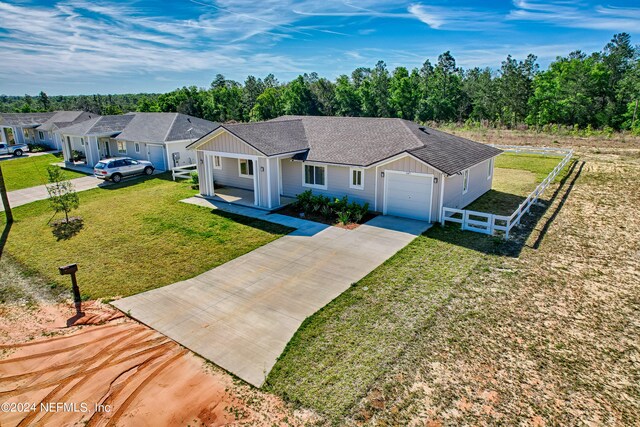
{"x":293,"y":211}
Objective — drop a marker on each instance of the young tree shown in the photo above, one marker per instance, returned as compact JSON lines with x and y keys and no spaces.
{"x":62,"y":194}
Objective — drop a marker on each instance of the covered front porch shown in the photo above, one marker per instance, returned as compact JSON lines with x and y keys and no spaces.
{"x":242,"y":197}
{"x":244,"y":179}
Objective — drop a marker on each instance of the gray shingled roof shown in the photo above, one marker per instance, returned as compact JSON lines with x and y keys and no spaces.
{"x":449,"y":153}
{"x":65,"y":118}
{"x":272,"y":138}
{"x":363,"y":141}
{"x":24,"y":119}
{"x":162,"y":127}
{"x":99,"y":125}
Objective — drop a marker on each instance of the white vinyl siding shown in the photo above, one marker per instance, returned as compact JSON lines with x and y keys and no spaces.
{"x":337,"y":182}
{"x":314,"y":176}
{"x":356,"y":178}
{"x":478,"y":185}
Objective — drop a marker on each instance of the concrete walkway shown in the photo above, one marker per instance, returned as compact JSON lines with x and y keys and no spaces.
{"x":32,"y":194}
{"x":242,"y":314}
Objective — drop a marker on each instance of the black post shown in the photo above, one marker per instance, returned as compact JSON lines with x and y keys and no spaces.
{"x":76,"y":293}
{"x":71,"y":270}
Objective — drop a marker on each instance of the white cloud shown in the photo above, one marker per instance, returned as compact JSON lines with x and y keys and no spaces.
{"x":573,"y":15}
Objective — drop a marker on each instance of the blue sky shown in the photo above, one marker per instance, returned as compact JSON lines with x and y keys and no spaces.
{"x":92,"y":46}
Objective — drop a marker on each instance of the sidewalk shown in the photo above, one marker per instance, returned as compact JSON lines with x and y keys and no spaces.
{"x":33,"y":194}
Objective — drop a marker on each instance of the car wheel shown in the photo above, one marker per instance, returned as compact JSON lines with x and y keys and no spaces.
{"x":148,"y":170}
{"x":116,"y":177}
{"x":18,"y":152}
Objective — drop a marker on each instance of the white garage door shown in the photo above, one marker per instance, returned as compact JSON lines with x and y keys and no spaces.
{"x":156,"y":156}
{"x":408,"y":195}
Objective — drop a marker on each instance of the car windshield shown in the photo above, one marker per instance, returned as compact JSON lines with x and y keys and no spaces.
{"x":100,"y":165}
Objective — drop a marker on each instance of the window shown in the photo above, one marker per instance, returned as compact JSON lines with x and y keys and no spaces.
{"x":41,"y":135}
{"x":82,"y":141}
{"x":465,"y":181}
{"x":122,"y":147}
{"x":315,"y":176}
{"x":490,"y":171}
{"x":137,"y":147}
{"x":246,"y":167}
{"x":25,"y":132}
{"x":217,"y":162}
{"x":356,"y":178}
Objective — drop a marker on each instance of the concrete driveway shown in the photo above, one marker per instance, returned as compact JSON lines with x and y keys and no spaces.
{"x":242,"y":314}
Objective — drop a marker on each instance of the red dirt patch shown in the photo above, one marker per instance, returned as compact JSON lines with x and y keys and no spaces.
{"x":133,"y":374}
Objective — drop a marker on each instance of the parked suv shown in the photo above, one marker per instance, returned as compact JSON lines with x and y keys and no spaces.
{"x":119,"y":167}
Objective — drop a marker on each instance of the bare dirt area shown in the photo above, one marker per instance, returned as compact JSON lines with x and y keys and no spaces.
{"x":551,"y":337}
{"x":101,"y":368}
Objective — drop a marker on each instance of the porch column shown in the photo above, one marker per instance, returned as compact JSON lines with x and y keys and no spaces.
{"x":256,"y":183}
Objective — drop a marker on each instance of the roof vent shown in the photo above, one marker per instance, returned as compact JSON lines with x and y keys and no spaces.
{"x":423,"y":129}
{"x":189,"y":119}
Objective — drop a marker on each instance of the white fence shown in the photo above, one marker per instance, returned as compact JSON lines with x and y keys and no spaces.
{"x":183,"y":171}
{"x":488,"y":223}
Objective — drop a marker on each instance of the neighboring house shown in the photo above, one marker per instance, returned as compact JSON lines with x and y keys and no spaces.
{"x":20,"y":128}
{"x":160,"y":138}
{"x":92,"y":140}
{"x":397,"y":166}
{"x":47,"y":133}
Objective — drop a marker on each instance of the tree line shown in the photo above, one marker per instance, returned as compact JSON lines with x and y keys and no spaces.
{"x":598,"y":90}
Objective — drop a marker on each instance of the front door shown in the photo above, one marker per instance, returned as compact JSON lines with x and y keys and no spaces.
{"x":106,"y":152}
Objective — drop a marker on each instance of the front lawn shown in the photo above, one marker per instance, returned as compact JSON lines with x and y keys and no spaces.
{"x":137,"y":236}
{"x":31,"y":171}
{"x":515,"y":176}
{"x":341,"y":350}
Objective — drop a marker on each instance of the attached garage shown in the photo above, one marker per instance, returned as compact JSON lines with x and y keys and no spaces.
{"x":408,"y":195}
{"x":156,"y":156}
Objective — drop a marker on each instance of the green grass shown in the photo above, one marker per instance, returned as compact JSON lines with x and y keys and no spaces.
{"x":539,"y":165}
{"x":136,"y":236}
{"x":339,"y":352}
{"x":515,"y":177}
{"x":31,"y":171}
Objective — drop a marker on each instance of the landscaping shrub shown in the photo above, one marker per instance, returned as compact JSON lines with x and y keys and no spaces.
{"x":344,"y":217}
{"x":38,"y":148}
{"x":338,"y":208}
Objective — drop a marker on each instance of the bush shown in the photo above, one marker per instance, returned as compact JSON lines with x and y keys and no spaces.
{"x":303,"y":201}
{"x":38,"y":148}
{"x":77,"y":155}
{"x":195,"y":180}
{"x":341,"y":209}
{"x":344,"y":217}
